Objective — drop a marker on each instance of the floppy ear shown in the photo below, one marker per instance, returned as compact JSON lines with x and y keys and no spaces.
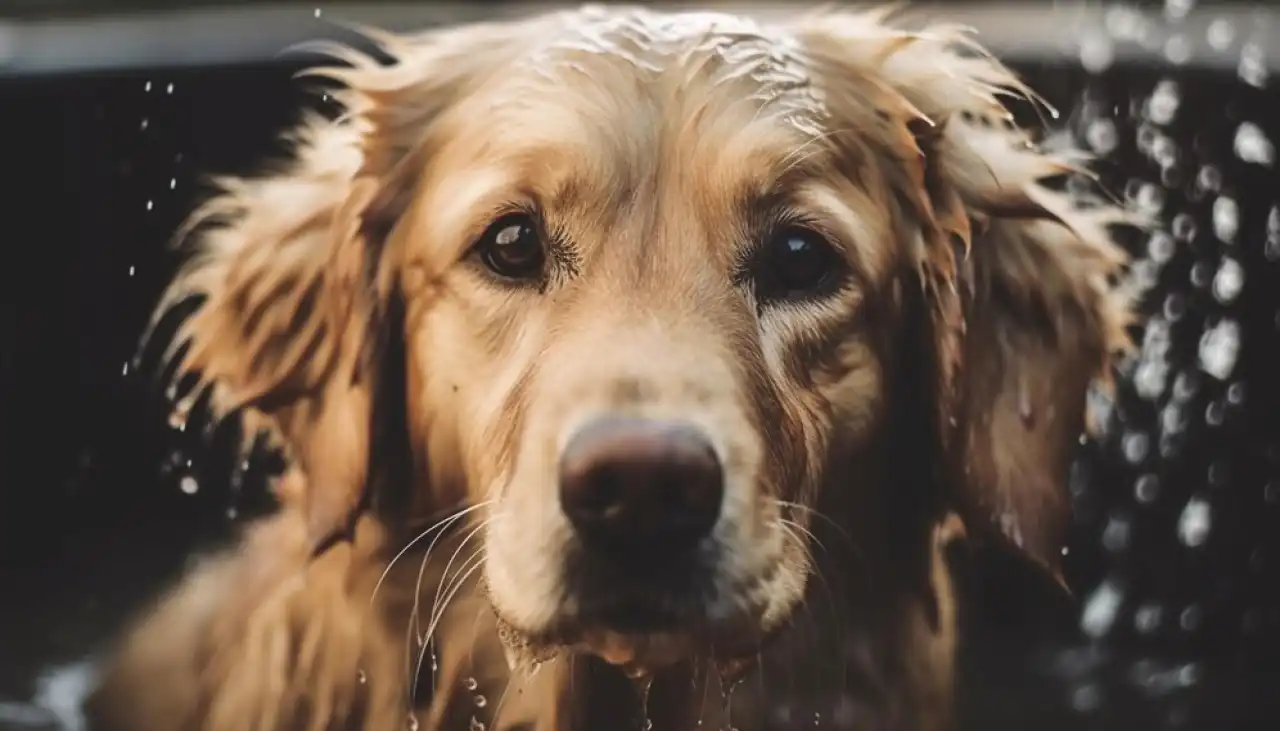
{"x":295,"y":320}
{"x":1025,"y":311}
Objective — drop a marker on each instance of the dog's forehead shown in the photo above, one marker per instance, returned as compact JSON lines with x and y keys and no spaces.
{"x":696,"y":52}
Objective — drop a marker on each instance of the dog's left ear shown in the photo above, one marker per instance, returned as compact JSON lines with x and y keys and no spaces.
{"x":1021,"y":282}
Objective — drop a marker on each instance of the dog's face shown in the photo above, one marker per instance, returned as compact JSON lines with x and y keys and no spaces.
{"x":651,"y":269}
{"x":650,"y":266}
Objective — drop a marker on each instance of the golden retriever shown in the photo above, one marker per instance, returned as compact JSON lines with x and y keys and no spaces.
{"x":690,"y":340}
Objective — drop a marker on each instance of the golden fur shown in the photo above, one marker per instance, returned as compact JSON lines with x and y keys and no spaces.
{"x":942,"y":384}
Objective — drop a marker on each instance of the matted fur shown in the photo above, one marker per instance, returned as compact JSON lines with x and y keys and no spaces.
{"x":310,"y":273}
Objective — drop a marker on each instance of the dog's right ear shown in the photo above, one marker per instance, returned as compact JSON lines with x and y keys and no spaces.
{"x":293,"y":274}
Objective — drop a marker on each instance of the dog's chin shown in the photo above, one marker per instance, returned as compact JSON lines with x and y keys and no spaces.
{"x":641,"y":645}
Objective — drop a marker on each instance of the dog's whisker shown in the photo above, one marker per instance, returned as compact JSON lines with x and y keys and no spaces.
{"x":422,"y":566}
{"x":444,"y":576}
{"x":440,"y":525}
{"x":431,"y":628}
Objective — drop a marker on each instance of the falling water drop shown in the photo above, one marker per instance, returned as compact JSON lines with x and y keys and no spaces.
{"x":189,"y":485}
{"x":475,"y":724}
{"x":470,"y":683}
{"x":413,"y":722}
{"x":361,"y":677}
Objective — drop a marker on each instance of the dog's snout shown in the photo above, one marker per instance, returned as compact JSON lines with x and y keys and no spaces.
{"x":641,"y":489}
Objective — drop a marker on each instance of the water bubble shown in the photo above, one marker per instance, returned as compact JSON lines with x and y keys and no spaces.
{"x":1135,"y":445}
{"x":1162,"y":106}
{"x":1190,"y":618}
{"x":1102,"y":136}
{"x":1161,"y":247}
{"x":1115,"y":537}
{"x":1195,"y":522}
{"x":1252,"y":146}
{"x":1272,"y":247}
{"x":1229,"y":280}
{"x":1178,"y":9}
{"x":1226,"y":219}
{"x":1086,"y":698}
{"x":189,"y":485}
{"x":1147,"y":488}
{"x":1100,"y":609}
{"x":1220,"y":34}
{"x":1219,"y":349}
{"x":1097,"y":52}
{"x":1147,"y":618}
{"x":1253,"y":65}
{"x":1177,"y":49}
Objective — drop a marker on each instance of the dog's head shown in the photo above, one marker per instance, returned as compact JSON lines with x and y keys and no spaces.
{"x":654,"y":281}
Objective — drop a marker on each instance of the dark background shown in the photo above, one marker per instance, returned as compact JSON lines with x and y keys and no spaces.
{"x":102,"y":499}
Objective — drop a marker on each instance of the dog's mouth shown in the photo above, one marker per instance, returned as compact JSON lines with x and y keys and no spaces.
{"x":644,"y":629}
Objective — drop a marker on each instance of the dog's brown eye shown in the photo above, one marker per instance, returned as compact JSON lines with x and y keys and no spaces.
{"x":512,"y":247}
{"x":796,"y":263}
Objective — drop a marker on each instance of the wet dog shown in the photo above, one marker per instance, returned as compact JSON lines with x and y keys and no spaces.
{"x":677,"y":347}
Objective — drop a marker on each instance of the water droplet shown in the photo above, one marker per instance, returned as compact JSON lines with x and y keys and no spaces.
{"x":647,"y":725}
{"x":470,"y":683}
{"x":1162,"y":106}
{"x":481,"y":701}
{"x":1228,"y":282}
{"x":1177,"y":49}
{"x":1220,"y":34}
{"x":1102,"y":136}
{"x":1195,"y":522}
{"x":173,"y":183}
{"x":232,"y":513}
{"x":1115,"y":537}
{"x":1177,"y":9}
{"x":147,"y":87}
{"x":1097,"y":53}
{"x":475,"y":724}
{"x":361,"y":677}
{"x":144,"y":124}
{"x":1147,"y":619}
{"x":124,"y":370}
{"x":1146,"y":489}
{"x":1252,"y":145}
{"x":169,"y":89}
{"x":151,"y":205}
{"x":1086,"y":698}
{"x":1135,"y":446}
{"x":189,"y":485}
{"x":318,"y":12}
{"x":1219,"y":349}
{"x":1253,"y":65}
{"x":1161,"y":247}
{"x":1226,"y":219}
{"x":1100,"y":609}
{"x":413,"y":722}
{"x":1190,"y":618}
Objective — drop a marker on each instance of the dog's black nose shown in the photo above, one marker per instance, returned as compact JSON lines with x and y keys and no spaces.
{"x":641,"y":489}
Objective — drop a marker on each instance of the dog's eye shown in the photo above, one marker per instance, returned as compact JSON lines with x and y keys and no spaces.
{"x":512,"y":248}
{"x":795,"y":262}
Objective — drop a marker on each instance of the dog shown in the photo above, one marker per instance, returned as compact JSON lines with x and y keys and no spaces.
{"x":633,"y":369}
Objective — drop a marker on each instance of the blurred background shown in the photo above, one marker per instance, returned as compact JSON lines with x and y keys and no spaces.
{"x":111,"y":111}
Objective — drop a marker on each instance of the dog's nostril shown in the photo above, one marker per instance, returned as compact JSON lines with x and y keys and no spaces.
{"x":641,"y":488}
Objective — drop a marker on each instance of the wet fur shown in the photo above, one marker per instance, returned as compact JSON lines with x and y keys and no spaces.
{"x":989,"y":310}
